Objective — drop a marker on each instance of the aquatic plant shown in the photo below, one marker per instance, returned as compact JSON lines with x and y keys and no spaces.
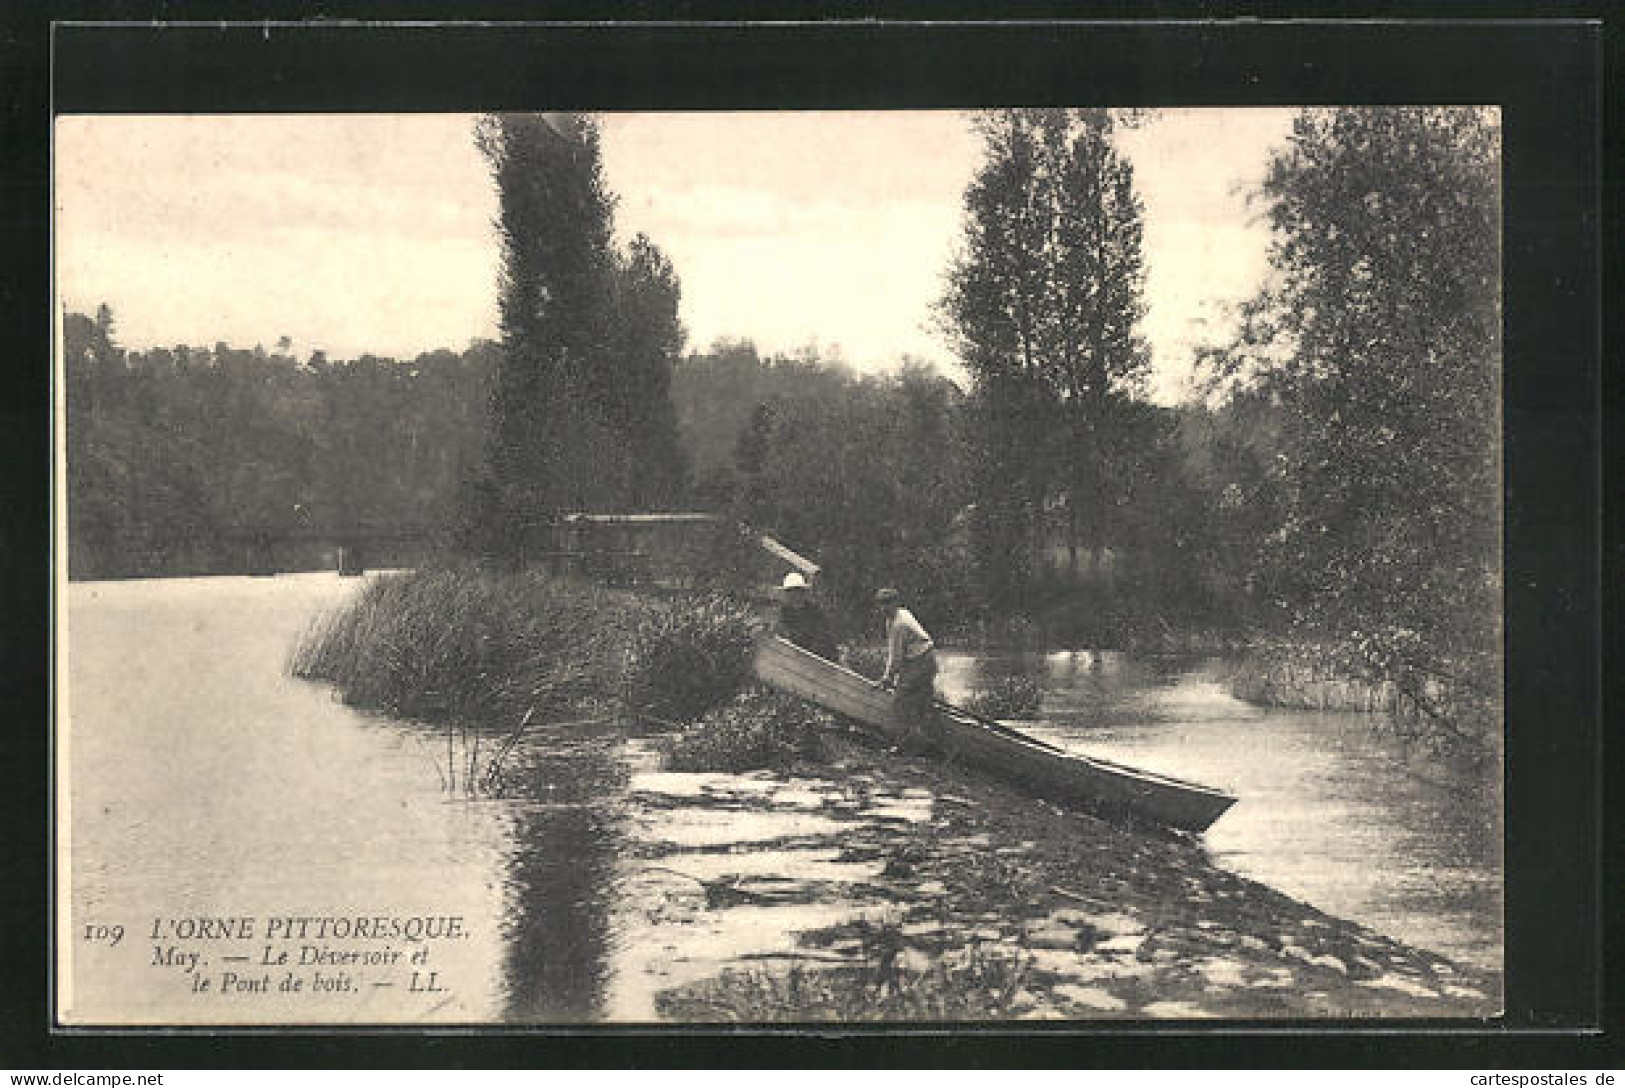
{"x":1007,"y":697}
{"x":687,"y":656}
{"x":758,"y":729}
{"x":492,"y":650}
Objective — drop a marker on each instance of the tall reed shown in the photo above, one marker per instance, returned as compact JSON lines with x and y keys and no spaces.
{"x":479,"y":647}
{"x":471,"y":645}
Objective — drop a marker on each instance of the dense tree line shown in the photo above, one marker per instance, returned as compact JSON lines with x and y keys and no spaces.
{"x":177,"y":458}
{"x":866,"y":474}
{"x":878,"y":478}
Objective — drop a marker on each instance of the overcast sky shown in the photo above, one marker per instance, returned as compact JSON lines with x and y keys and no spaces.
{"x":356,"y":233}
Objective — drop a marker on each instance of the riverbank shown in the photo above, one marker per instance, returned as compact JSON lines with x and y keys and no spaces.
{"x":929,"y":892}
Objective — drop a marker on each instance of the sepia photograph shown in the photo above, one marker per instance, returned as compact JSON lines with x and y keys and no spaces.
{"x":904,"y":567}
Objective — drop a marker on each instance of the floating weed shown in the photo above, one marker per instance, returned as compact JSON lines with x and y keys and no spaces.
{"x":757,"y":730}
{"x":1007,"y":697}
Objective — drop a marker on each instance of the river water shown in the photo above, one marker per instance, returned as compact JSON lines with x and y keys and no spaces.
{"x":1331,"y":810}
{"x":197,"y":780}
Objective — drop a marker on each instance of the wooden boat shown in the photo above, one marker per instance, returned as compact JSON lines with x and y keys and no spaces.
{"x":1081,"y":781}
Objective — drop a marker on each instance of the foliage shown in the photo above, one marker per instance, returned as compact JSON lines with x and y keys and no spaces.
{"x":648,"y":340}
{"x":758,"y":729}
{"x":1378,"y":346}
{"x":557,"y":275}
{"x":177,"y":456}
{"x":462,"y":645}
{"x":687,"y":656}
{"x":715,"y":393}
{"x":490,"y":647}
{"x":865,"y":475}
{"x":581,"y":413}
{"x":1008,"y":697}
{"x":1042,"y":305}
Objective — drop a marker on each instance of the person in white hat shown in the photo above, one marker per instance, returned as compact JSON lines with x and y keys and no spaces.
{"x":802,"y":621}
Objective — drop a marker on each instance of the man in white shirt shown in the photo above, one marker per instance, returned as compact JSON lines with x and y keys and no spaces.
{"x":911,"y":663}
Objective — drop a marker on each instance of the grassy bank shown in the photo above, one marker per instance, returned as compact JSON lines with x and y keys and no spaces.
{"x":485,"y":648}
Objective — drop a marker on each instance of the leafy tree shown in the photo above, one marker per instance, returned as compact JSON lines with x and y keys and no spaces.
{"x":865,"y":475}
{"x":1042,"y":304}
{"x":649,"y":341}
{"x":1379,"y":341}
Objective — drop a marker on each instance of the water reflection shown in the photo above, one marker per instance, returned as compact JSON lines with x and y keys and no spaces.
{"x":560,"y":878}
{"x":205,"y":780}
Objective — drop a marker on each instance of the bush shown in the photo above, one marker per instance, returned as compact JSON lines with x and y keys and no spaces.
{"x":688,"y":656}
{"x":476,"y":646}
{"x":757,"y":730}
{"x":1008,"y":697}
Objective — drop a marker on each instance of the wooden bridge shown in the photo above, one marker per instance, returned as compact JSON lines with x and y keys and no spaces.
{"x":349,"y":551}
{"x":673,"y":549}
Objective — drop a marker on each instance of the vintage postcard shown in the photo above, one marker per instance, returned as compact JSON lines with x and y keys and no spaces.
{"x":906,"y":566}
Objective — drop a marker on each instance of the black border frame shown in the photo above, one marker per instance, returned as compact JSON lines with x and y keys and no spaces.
{"x":1546,"y":73}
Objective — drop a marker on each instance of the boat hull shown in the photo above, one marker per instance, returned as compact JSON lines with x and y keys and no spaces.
{"x":1043,"y":769}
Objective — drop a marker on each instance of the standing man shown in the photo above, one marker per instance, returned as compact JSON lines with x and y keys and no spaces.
{"x":911,"y":664}
{"x":802,"y":621}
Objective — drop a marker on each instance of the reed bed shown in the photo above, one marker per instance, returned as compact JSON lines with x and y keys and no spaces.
{"x":483,"y":653}
{"x":470,"y":645}
{"x":687,"y":657}
{"x":1445,"y":718}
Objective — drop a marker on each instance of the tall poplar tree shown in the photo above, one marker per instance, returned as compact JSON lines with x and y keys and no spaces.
{"x":581,"y":410}
{"x":1042,"y":304}
{"x":557,"y":277}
